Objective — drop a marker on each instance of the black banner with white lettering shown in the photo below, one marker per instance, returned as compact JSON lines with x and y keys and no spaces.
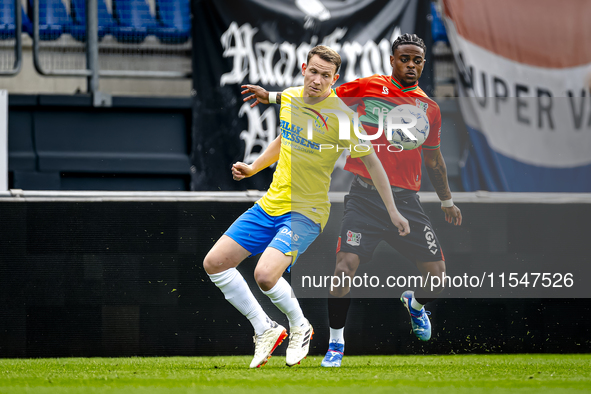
{"x":265,"y":42}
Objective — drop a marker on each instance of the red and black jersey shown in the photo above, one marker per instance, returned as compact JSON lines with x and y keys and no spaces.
{"x":374,"y":95}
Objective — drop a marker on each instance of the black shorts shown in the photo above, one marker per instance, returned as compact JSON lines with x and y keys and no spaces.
{"x":366,"y":222}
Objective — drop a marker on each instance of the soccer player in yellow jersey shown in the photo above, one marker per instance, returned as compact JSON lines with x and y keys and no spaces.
{"x":287,"y":219}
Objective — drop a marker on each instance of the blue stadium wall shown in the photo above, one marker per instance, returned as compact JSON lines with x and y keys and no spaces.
{"x":62,"y":142}
{"x":126,"y":279}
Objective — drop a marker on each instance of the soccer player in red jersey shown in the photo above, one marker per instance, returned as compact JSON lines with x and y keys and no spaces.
{"x":364,"y":223}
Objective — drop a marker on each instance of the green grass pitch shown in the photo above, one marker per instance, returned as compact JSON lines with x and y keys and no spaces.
{"x":359,"y":374}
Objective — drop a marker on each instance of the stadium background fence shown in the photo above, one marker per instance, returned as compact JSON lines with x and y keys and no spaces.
{"x":121,"y":275}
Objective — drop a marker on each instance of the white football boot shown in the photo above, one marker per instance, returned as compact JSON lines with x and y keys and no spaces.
{"x":299,"y":343}
{"x":266,"y":343}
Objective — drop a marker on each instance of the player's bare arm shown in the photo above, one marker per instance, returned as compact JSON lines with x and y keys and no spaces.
{"x":242,"y":170}
{"x":438,"y":175}
{"x":258,"y":94}
{"x":380,"y":180}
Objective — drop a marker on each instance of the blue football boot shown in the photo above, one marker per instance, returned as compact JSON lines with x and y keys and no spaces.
{"x":334,"y":355}
{"x":421,"y":326}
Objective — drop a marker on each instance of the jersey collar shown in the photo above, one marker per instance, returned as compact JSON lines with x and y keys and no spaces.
{"x":404,"y":89}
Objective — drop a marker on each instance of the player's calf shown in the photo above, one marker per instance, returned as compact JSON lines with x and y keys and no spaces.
{"x":346,"y":266}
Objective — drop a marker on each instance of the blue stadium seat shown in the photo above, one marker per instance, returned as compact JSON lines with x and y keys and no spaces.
{"x":7,"y":20}
{"x":438,"y":31}
{"x":134,"y":19}
{"x":174,"y":21}
{"x":78,"y":12}
{"x":53,"y":19}
{"x":27,"y":24}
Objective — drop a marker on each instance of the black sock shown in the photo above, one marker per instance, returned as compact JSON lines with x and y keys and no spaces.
{"x":338,"y":307}
{"x":422,"y":298}
{"x":423,"y":301}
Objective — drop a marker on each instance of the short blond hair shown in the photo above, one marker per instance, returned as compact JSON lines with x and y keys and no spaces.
{"x":327,"y":54}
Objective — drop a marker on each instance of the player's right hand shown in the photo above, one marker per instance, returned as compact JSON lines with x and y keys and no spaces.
{"x":242,"y":170}
{"x":401,"y":224}
{"x":259,"y":94}
{"x":453,"y":215}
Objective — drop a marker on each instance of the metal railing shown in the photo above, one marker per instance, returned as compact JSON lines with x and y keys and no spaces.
{"x":480,"y":197}
{"x":18,"y":47}
{"x":92,"y":71}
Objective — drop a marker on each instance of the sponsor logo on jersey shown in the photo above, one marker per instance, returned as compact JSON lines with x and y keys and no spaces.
{"x":353,"y":239}
{"x":319,"y":120}
{"x":290,"y":234}
{"x":431,"y":241}
{"x":422,"y":105}
{"x":294,"y":134}
{"x":385,"y":90}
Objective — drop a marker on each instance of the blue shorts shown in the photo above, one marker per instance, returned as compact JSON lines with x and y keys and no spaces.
{"x":291,"y":233}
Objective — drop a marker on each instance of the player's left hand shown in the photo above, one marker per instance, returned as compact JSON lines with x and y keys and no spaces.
{"x":242,"y":170}
{"x":453,"y":215}
{"x":259,"y":94}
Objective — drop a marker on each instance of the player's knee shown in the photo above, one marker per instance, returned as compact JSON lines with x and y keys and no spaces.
{"x":347,"y":264}
{"x":433,"y":276}
{"x":438,"y":271}
{"x":214,"y":263}
{"x":345,"y":269}
{"x":264,"y":278}
{"x":432,"y":269}
{"x":209,"y":264}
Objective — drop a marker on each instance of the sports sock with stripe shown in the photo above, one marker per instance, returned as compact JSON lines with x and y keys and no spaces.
{"x":237,"y":292}
{"x":280,"y":295}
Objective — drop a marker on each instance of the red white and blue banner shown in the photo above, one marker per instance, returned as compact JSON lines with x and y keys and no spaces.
{"x":525,"y":75}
